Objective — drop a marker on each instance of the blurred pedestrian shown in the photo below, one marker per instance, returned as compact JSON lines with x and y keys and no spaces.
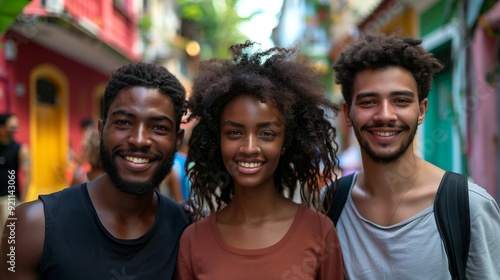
{"x":92,"y":162}
{"x":178,"y":180}
{"x":14,"y":157}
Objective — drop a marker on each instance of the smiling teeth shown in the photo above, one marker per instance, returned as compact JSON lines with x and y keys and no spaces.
{"x":385,"y":134}
{"x":137,"y":160}
{"x":250,"y":164}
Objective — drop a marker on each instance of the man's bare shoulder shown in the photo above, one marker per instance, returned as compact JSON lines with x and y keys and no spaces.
{"x":22,"y":241}
{"x":31,"y":214}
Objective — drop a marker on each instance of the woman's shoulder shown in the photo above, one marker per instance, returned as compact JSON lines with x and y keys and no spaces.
{"x":314,"y":218}
{"x":199,"y":228}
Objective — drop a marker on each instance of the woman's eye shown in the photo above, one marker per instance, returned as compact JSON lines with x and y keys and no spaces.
{"x":233,"y":133}
{"x":267,"y":135}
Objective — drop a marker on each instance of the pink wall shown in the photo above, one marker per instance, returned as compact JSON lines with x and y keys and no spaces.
{"x":82,"y":81}
{"x":117,"y":28}
{"x":35,"y":8}
{"x":483,"y":106}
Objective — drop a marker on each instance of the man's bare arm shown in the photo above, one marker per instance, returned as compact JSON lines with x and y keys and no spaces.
{"x":22,"y":242}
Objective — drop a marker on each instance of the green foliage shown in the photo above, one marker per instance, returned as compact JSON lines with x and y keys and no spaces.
{"x":9,"y":11}
{"x":214,"y":24}
{"x":145,"y":23}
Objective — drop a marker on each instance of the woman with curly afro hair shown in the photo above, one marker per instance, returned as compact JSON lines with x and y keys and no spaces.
{"x":263,"y":131}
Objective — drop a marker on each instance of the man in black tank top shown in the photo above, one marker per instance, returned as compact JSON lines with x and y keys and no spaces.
{"x":14,"y":157}
{"x":117,"y":226}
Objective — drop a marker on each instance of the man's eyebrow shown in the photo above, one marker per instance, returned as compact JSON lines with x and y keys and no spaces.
{"x":394,"y":93}
{"x":402,"y":92}
{"x":122,"y":112}
{"x":153,"y":118}
{"x":362,"y":95}
{"x":162,"y":118}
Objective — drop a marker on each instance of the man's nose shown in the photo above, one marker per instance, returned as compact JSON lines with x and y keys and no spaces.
{"x":385,"y":113}
{"x":141,"y":136}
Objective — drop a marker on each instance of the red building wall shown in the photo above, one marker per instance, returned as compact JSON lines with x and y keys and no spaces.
{"x":115,"y":25}
{"x":82,"y":81}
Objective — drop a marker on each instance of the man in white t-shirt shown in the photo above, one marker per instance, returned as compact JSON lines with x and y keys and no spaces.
{"x":387,"y":229}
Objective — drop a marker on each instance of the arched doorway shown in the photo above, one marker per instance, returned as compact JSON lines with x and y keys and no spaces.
{"x":48,"y":129}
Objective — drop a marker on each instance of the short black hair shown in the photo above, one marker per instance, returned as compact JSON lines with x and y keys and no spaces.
{"x":277,"y":75}
{"x":375,"y":51}
{"x":86,"y":123}
{"x":4,"y":118}
{"x":149,"y":76}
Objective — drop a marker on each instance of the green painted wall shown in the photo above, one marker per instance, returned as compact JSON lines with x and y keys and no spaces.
{"x":434,"y":17}
{"x":437,"y":146}
{"x":438,"y":135}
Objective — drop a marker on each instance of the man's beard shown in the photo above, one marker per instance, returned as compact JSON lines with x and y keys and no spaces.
{"x":135,"y":188}
{"x":390,"y":157}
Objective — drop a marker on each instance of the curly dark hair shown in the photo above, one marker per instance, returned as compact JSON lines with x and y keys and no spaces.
{"x":149,"y":76}
{"x":278,"y":75}
{"x":380,"y":51}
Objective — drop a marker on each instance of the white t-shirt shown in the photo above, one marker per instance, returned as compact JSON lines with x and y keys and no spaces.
{"x":413,"y":249}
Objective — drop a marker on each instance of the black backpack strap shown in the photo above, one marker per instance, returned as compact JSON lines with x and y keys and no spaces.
{"x":338,"y":197}
{"x":451,"y":210}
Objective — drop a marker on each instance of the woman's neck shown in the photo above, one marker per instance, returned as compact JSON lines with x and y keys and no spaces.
{"x":253,"y":205}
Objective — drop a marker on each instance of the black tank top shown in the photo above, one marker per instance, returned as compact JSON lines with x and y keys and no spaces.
{"x":77,"y":246}
{"x":9,"y":160}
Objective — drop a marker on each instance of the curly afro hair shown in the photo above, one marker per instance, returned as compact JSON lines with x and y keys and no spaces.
{"x":380,"y":51}
{"x":149,"y":76}
{"x":275,"y":75}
